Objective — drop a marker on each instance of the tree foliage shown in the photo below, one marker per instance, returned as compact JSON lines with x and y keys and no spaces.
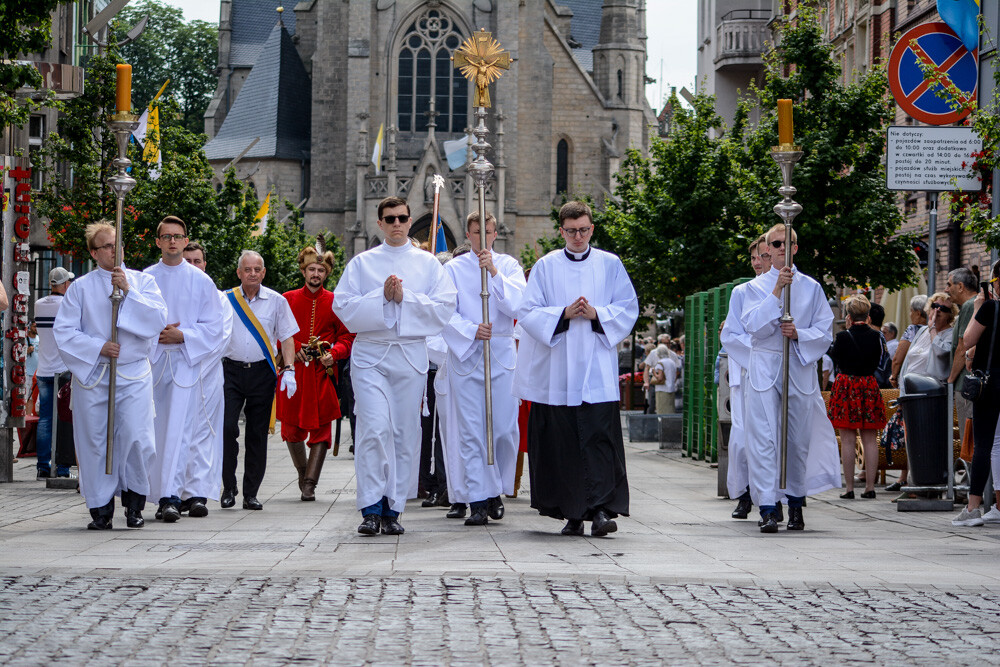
{"x":25,"y":27}
{"x":170,"y":48}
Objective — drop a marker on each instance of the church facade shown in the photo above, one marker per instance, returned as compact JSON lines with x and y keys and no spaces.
{"x":303,"y":93}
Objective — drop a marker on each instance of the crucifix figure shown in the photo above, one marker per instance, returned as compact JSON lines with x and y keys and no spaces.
{"x":481,"y":59}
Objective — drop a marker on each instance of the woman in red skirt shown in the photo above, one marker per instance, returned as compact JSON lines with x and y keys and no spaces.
{"x":856,"y":402}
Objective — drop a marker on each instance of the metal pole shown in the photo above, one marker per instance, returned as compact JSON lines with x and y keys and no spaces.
{"x":786,"y":156}
{"x":122,"y":125}
{"x":932,"y":246}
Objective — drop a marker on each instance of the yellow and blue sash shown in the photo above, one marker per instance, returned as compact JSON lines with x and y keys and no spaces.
{"x":253,"y":325}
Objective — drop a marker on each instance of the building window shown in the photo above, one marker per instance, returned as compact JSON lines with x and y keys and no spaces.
{"x":36,"y":132}
{"x":620,"y":91}
{"x":562,"y":166}
{"x":426,"y":72}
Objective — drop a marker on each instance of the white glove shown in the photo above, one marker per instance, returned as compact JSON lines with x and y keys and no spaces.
{"x":288,"y":383}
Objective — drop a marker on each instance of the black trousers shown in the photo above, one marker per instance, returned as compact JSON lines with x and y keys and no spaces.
{"x":436,"y":482}
{"x":251,"y":386}
{"x":985,"y":414}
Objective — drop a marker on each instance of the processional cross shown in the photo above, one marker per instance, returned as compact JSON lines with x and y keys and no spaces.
{"x":480,"y":59}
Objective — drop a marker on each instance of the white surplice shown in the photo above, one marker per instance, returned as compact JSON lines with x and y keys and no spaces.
{"x":81,"y":329}
{"x":389,"y":362}
{"x":470,"y":478}
{"x":578,"y":365}
{"x":813,"y":462}
{"x":192,"y":301}
{"x":736,"y":343}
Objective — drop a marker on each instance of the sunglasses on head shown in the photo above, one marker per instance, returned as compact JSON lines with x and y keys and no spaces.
{"x":391,"y":219}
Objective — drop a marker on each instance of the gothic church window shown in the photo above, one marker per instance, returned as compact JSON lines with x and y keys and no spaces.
{"x":562,"y":166}
{"x":426,"y":72}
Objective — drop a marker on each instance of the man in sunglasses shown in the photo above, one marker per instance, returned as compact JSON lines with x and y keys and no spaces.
{"x":393,"y":297}
{"x":82,"y":332}
{"x":579,"y":304}
{"x":812,"y":460}
{"x":736,"y":343}
{"x":181,"y":469}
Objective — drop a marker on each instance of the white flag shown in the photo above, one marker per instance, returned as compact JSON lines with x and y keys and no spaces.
{"x":454,"y":152}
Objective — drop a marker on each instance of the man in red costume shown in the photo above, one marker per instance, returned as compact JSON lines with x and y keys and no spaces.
{"x":307,"y":415}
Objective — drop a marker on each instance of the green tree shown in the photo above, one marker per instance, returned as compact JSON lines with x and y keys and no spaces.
{"x":170,"y":48}
{"x":25,"y":27}
{"x":848,"y":230}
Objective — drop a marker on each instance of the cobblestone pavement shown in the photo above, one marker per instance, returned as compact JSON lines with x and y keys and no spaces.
{"x":483,"y":620}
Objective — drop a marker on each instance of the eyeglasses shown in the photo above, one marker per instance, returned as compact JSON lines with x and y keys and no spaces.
{"x":580,"y":231}
{"x":106,"y":246}
{"x":941,"y":307}
{"x":391,"y":219}
{"x":765,"y":256}
{"x":175,"y":237}
{"x":776,"y":243}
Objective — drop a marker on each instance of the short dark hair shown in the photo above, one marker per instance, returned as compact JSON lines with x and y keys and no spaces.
{"x":392,"y":202}
{"x":171,"y":220}
{"x":572,"y":210}
{"x":194,"y":245}
{"x":877,"y":313}
{"x":474,"y":218}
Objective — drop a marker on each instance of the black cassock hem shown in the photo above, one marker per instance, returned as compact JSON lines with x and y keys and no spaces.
{"x":576,"y":460}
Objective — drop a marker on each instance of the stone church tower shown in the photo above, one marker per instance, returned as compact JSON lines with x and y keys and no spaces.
{"x":308,"y":87}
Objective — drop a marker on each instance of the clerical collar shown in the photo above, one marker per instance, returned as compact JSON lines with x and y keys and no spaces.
{"x":577,"y":256}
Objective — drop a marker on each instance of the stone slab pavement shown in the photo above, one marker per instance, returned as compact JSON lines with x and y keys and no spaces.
{"x":680,"y":582}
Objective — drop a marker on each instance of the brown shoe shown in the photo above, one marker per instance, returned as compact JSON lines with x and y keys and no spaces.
{"x":317,"y":454}
{"x":298,"y":452}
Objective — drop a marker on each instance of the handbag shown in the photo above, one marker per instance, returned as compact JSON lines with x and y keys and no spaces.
{"x":658,"y":376}
{"x":974,"y":384}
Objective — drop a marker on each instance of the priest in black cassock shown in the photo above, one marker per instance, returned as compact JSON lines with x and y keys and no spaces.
{"x":579,"y":304}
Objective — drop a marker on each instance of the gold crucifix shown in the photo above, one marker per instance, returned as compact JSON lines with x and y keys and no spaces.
{"x":480,"y":59}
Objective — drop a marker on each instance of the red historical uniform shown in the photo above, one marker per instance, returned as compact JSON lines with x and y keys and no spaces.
{"x":307,"y":415}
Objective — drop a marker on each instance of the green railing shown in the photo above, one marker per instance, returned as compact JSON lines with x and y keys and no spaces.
{"x":704,"y":314}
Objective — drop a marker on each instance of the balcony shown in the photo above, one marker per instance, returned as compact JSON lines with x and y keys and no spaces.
{"x":741,"y":38}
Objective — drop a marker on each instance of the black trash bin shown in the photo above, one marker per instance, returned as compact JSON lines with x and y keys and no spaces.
{"x":925,"y":411}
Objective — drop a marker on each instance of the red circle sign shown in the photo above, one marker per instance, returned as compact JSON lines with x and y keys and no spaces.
{"x":936,"y":45}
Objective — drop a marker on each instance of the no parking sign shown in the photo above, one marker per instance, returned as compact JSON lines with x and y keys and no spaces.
{"x":936,"y":45}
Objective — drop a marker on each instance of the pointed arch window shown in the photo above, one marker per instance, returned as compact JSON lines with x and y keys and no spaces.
{"x":426,"y":72}
{"x":562,"y":166}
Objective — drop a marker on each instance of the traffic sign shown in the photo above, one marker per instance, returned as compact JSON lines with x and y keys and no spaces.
{"x":931,"y":159}
{"x":936,"y":45}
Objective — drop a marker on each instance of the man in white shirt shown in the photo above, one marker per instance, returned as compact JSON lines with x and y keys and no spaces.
{"x":194,"y":324}
{"x":393,"y":297}
{"x":262,"y":320}
{"x":579,"y":304}
{"x":470,"y":479}
{"x":82,"y":333}
{"x":51,"y":372}
{"x":664,"y":392}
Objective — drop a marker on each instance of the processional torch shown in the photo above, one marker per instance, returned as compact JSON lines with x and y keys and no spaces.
{"x":122,"y":123}
{"x":481,"y":59}
{"x":786,"y":154}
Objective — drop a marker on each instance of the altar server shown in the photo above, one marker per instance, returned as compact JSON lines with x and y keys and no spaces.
{"x":393,"y":297}
{"x":194,"y":323}
{"x":83,"y":334}
{"x":470,"y":479}
{"x":813,"y":463}
{"x":579,"y":304}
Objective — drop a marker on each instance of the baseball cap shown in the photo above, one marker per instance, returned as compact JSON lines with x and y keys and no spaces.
{"x":59,"y":275}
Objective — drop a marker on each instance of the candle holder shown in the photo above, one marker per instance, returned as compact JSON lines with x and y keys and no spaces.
{"x":786,"y":155}
{"x":122,"y":124}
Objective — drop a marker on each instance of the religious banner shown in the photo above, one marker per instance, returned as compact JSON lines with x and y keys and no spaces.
{"x":15,"y":174}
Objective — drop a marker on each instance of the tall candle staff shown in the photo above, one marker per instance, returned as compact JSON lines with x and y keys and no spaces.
{"x":786,"y":154}
{"x":122,"y":123}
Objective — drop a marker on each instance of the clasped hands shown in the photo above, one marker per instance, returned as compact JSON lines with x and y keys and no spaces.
{"x":393,"y":289}
{"x":580,"y":308}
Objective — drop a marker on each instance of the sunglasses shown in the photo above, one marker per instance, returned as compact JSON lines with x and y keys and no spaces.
{"x":391,"y":219}
{"x":941,"y":307}
{"x":776,"y":244}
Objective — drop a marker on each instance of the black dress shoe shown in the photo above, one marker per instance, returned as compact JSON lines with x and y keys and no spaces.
{"x":442,"y":500}
{"x":849,"y":495}
{"x":795,"y":521}
{"x":170,"y":513}
{"x":743,"y":508}
{"x":133,"y":519}
{"x":573,"y":527}
{"x":159,"y":513}
{"x":102,"y":516}
{"x":495,"y":507}
{"x":228,"y":498}
{"x":185,"y":506}
{"x":370,"y":525}
{"x":768,"y":523}
{"x":478,"y":517}
{"x":431,"y":500}
{"x":781,"y":514}
{"x":392,"y":526}
{"x":100,"y":523}
{"x":602,"y":524}
{"x":457,"y":511}
{"x":868,"y":495}
{"x":197,"y":508}
{"x":252,"y":504}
